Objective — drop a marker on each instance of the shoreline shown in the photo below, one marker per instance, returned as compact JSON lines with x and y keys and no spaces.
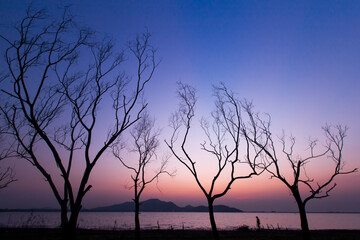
{"x":87,"y":210}
{"x":243,"y":234}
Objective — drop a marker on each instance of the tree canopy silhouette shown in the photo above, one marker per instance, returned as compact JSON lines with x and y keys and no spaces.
{"x":7,"y":175}
{"x":227,"y":143}
{"x":58,"y":79}
{"x":302,"y":187}
{"x":145,"y":143}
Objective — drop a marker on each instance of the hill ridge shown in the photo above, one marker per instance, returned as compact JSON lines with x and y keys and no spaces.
{"x":156,"y":205}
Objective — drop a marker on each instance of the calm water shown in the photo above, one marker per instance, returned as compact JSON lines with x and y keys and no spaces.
{"x":114,"y":220}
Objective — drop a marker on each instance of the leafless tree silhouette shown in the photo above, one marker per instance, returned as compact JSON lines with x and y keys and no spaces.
{"x":225,"y":140}
{"x":300,"y":181}
{"x":53,"y":107}
{"x":7,"y":175}
{"x":145,"y":144}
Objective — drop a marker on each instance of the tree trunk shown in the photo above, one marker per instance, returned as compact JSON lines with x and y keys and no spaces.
{"x":64,"y":217}
{"x":74,"y":215}
{"x":304,"y":223}
{"x":212,"y":219}
{"x":303,"y":217}
{"x":137,"y":220}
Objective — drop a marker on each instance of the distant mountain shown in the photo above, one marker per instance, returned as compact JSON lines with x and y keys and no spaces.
{"x":155,"y":205}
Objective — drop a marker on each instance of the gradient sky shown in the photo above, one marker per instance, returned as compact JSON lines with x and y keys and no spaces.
{"x":299,"y":61}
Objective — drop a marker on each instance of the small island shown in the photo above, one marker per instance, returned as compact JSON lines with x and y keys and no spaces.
{"x":156,"y":205}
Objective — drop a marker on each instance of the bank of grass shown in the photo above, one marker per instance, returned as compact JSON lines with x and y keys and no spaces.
{"x":243,"y":234}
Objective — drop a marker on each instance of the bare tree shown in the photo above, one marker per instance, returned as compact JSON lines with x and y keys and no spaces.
{"x":300,"y":181}
{"x":7,"y":175}
{"x":225,"y":138}
{"x":145,"y":144}
{"x":53,"y":107}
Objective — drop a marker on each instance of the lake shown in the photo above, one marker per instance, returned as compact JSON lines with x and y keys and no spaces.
{"x":175,"y":220}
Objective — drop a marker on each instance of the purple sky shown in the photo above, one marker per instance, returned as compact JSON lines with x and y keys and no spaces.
{"x":297,"y":60}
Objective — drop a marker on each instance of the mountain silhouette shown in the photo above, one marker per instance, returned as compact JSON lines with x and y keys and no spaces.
{"x":156,"y":205}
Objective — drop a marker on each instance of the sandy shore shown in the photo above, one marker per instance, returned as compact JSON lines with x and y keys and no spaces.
{"x":81,"y":234}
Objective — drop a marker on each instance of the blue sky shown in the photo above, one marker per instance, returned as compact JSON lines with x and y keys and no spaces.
{"x":297,"y":60}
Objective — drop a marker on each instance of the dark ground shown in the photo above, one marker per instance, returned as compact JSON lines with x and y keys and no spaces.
{"x":56,"y":234}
